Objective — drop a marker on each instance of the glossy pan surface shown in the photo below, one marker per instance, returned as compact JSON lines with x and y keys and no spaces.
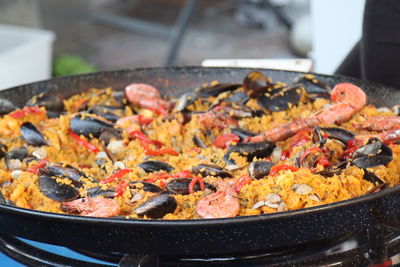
{"x":195,"y":237}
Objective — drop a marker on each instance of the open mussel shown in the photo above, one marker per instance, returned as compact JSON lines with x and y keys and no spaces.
{"x":216,"y":89}
{"x":185,"y":100}
{"x":260,"y":169}
{"x":210,"y":170}
{"x":154,"y":166}
{"x":256,"y":84}
{"x":98,"y":191}
{"x":242,"y":133}
{"x":56,"y":170}
{"x":50,"y":102}
{"x":181,"y":186}
{"x":88,"y":126}
{"x":109,"y":134}
{"x":313,"y":85}
{"x":57,"y":191}
{"x":373,"y":154}
{"x":15,"y":157}
{"x":157,"y":206}
{"x":6,"y":106}
{"x":32,"y":135}
{"x":279,"y":99}
{"x":239,"y":98}
{"x":110,"y":113}
{"x":371,"y":177}
{"x":148,"y":187}
{"x":251,"y":150}
{"x":340,"y":134}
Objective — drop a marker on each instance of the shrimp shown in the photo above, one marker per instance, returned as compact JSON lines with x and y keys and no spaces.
{"x":221,"y":204}
{"x":146,"y":96}
{"x":348,"y":99}
{"x":380,"y":123}
{"x":93,"y":207}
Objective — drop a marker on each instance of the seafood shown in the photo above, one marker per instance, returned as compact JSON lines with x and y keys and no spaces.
{"x":260,"y":169}
{"x":212,"y":170}
{"x":89,"y":126}
{"x":32,"y":135}
{"x":157,"y":206}
{"x":255,"y":149}
{"x":57,"y":191}
{"x":154,"y":166}
{"x":181,"y":186}
{"x":348,"y":99}
{"x":146,"y":96}
{"x":92,"y":207}
{"x":221,"y":204}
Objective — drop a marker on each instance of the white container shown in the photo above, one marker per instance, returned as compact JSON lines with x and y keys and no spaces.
{"x":25,"y":55}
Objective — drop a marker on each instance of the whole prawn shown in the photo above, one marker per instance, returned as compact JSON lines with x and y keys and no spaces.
{"x":348,"y":99}
{"x":93,"y":207}
{"x":146,"y":96}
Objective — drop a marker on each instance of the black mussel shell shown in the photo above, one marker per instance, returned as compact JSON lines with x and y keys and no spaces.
{"x":371,"y":177}
{"x":157,"y":206}
{"x":185,"y":100}
{"x":2,"y":198}
{"x":6,"y":106}
{"x":32,"y":135}
{"x":333,"y":169}
{"x":210,"y":170}
{"x":97,"y":191}
{"x":215,"y":90}
{"x":57,"y":191}
{"x":373,"y":154}
{"x":58,"y":170}
{"x":154,"y":166}
{"x":256,"y":84}
{"x":280,"y":98}
{"x":198,"y":142}
{"x":312,"y":85}
{"x":242,"y":133}
{"x":251,"y":150}
{"x":109,"y":112}
{"x":108,"y":134}
{"x":181,"y":186}
{"x":340,"y":134}
{"x":148,"y":187}
{"x":119,"y":96}
{"x":88,"y":126}
{"x":239,"y":98}
{"x":19,"y":153}
{"x":260,"y":169}
{"x":228,"y":160}
{"x":50,"y":102}
{"x":3,"y":150}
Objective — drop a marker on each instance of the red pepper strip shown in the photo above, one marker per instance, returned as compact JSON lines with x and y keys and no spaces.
{"x":163,"y":151}
{"x":242,"y":181}
{"x":285,"y":154}
{"x":144,"y":139}
{"x":40,"y":164}
{"x":117,"y":175}
{"x":277,"y":168}
{"x":25,"y":111}
{"x":193,"y":182}
{"x":351,"y":146}
{"x":121,"y":187}
{"x":183,"y":174}
{"x":309,"y":151}
{"x":144,"y":120}
{"x":84,"y":142}
{"x":157,"y":176}
{"x":224,"y":140}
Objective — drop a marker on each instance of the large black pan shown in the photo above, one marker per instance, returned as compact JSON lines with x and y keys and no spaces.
{"x":218,"y":236}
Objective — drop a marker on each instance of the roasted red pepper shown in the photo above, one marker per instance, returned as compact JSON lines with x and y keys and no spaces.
{"x":242,"y":181}
{"x":351,"y":146}
{"x":277,"y":168}
{"x":157,"y":176}
{"x":116,"y":176}
{"x":40,"y":164}
{"x":144,"y":120}
{"x":84,"y":142}
{"x":224,"y":140}
{"x":163,"y":151}
{"x":25,"y":111}
{"x":193,"y":182}
{"x":144,"y":139}
{"x":121,"y":188}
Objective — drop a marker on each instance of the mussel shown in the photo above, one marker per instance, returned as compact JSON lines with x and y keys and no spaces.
{"x":50,"y":102}
{"x":6,"y":106}
{"x":313,"y":85}
{"x":181,"y":186}
{"x":210,"y":170}
{"x":148,"y":187}
{"x":242,"y":133}
{"x":198,"y":141}
{"x":256,"y":84}
{"x":157,"y":206}
{"x":57,"y":191}
{"x":56,"y":170}
{"x":280,"y":99}
{"x":32,"y":135}
{"x":371,"y":177}
{"x":2,"y":198}
{"x":251,"y":150}
{"x":154,"y":166}
{"x":340,"y":134}
{"x":108,"y":134}
{"x":89,"y":126}
{"x":239,"y":98}
{"x":111,"y":113}
{"x":98,"y":191}
{"x":15,"y":157}
{"x":215,"y":90}
{"x":185,"y":100}
{"x":373,"y":154}
{"x":260,"y":169}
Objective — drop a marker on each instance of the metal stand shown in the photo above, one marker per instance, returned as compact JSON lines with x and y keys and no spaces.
{"x":174,"y":34}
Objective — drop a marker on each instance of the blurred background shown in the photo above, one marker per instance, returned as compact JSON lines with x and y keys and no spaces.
{"x":44,"y":38}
